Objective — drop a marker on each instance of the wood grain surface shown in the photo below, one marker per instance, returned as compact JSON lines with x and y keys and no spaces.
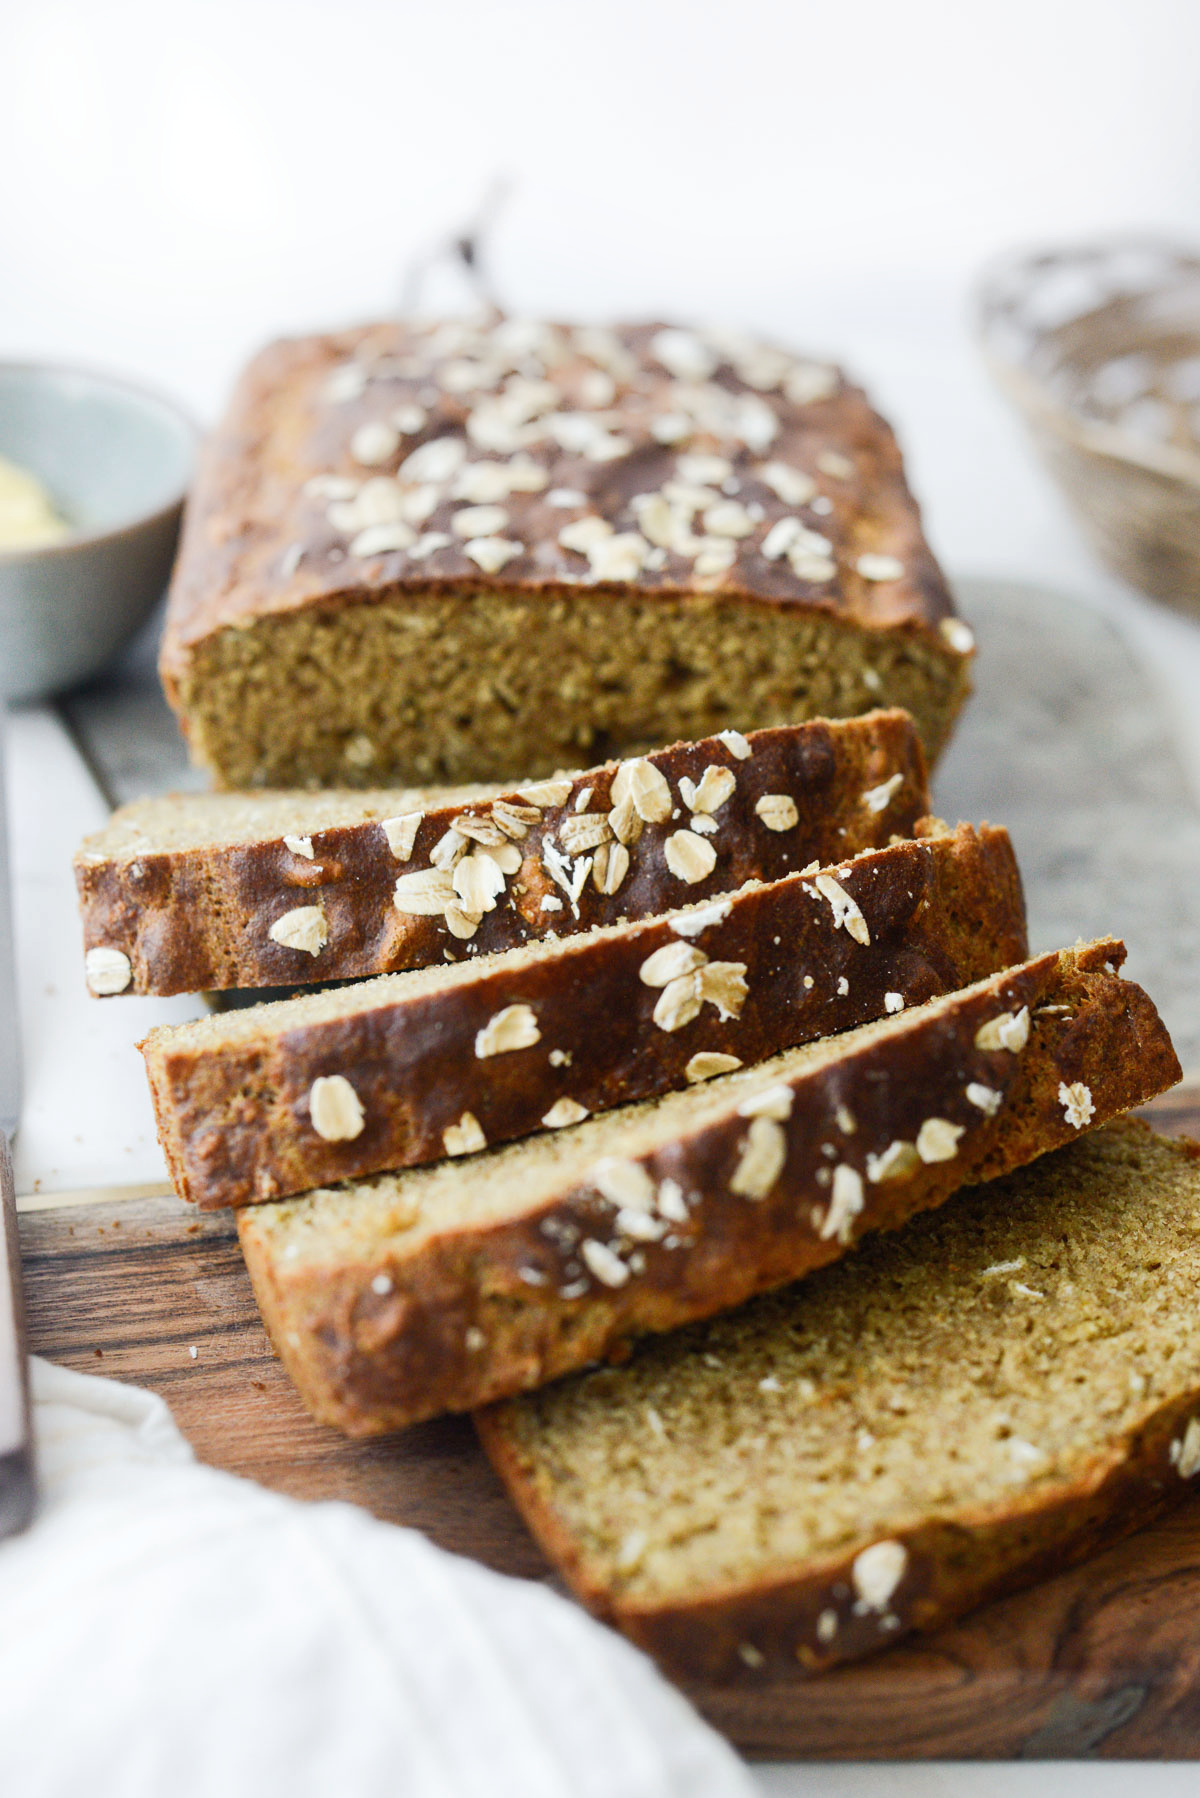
{"x":1104,"y":1660}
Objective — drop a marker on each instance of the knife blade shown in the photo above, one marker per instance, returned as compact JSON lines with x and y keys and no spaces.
{"x":16,"y":1453}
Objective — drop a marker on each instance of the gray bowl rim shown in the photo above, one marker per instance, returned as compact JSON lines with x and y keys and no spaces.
{"x":80,"y":540}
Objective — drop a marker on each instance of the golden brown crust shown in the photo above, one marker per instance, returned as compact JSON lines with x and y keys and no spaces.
{"x":267,"y":537}
{"x":949,"y":1567}
{"x":250,"y":504}
{"x":233,"y":1109}
{"x":194,"y":920}
{"x":387,"y":1337}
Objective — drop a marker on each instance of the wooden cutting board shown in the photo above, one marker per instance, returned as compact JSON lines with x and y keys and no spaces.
{"x":1104,"y":1660}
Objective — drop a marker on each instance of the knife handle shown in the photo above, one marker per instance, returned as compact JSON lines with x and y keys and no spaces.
{"x":16,"y":1447}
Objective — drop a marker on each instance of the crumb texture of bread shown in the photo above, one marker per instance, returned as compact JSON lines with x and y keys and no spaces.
{"x":191,"y":890}
{"x":393,"y":1298}
{"x":545,"y":1035}
{"x":421,"y":553}
{"x":955,"y":1411}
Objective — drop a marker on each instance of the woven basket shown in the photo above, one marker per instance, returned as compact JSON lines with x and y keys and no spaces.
{"x":1099,"y":349}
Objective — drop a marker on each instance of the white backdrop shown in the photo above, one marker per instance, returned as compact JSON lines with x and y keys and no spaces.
{"x":182,"y":178}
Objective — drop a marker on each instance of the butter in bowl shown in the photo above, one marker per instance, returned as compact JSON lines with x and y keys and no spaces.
{"x":93,"y":472}
{"x":28,"y":518}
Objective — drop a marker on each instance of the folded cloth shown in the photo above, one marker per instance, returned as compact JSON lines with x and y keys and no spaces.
{"x":166,"y":1628}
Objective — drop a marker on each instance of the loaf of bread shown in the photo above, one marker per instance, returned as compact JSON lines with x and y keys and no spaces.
{"x":389,"y":1073}
{"x":440,"y":1288}
{"x":468,"y":551}
{"x":205,"y":891}
{"x":958,"y":1410}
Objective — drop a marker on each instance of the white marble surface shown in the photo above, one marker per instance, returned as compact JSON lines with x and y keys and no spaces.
{"x":85,"y":1119}
{"x":966,"y":1779}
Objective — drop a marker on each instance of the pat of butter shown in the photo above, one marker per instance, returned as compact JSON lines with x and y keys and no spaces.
{"x":27,"y":516}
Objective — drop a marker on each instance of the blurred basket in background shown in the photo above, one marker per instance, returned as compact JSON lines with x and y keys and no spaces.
{"x":1098,"y":346}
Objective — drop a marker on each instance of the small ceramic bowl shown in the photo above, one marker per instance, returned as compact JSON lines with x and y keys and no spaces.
{"x":116,"y":462}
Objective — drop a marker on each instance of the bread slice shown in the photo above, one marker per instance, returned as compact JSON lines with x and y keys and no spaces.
{"x":956,"y":1411}
{"x":404,"y":1069}
{"x":209,"y":891}
{"x":387,"y":576}
{"x":395,"y":1298}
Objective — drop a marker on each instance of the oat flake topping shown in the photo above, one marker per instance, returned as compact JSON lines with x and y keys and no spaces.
{"x":303,"y":928}
{"x":937,"y":1140}
{"x":877,"y":1571}
{"x":708,"y":1064}
{"x":958,"y":635}
{"x":695,"y":923}
{"x":985,"y":1098}
{"x":107,"y":971}
{"x":877,"y":799}
{"x":1185,"y":1451}
{"x":513,"y":1028}
{"x":880,"y":568}
{"x":604,"y":1263}
{"x":689,"y":857}
{"x":464,"y":1138}
{"x":846,"y":913}
{"x":897,"y":1162}
{"x":697,"y":459}
{"x":845,"y":1203}
{"x":772,"y":1102}
{"x":401,"y":833}
{"x":777,"y":811}
{"x":1078,"y":1105}
{"x":563,"y":1112}
{"x":425,"y":893}
{"x":335,"y":1108}
{"x":1010,"y":1030}
{"x":761,"y":1159}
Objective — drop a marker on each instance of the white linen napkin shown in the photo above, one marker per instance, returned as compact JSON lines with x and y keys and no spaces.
{"x":170,"y":1631}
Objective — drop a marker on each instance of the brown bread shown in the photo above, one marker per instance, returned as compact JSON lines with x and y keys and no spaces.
{"x":260,"y":1103}
{"x":195,"y":891}
{"x":394,"y":1298}
{"x":436,"y":553}
{"x":958,"y":1410}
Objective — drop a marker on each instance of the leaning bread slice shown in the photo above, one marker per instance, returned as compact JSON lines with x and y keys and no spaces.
{"x":437,"y":1289}
{"x":957,"y":1410}
{"x":407,"y":1068}
{"x":200,"y":891}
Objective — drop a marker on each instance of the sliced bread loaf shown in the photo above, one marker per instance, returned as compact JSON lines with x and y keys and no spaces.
{"x":957,"y":1410}
{"x":406,"y":1068}
{"x":604,"y":540}
{"x":209,"y":891}
{"x":395,"y":1298}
